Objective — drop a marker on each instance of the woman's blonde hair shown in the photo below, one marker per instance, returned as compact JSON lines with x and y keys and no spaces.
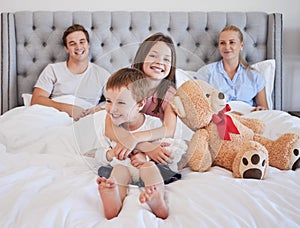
{"x":241,"y":38}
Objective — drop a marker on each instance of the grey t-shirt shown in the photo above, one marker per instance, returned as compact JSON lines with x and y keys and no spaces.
{"x":57,"y":80}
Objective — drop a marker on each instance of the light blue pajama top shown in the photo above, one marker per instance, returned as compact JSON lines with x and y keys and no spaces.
{"x":243,"y":87}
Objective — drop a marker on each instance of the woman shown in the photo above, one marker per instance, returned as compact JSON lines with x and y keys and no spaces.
{"x":232,"y":75}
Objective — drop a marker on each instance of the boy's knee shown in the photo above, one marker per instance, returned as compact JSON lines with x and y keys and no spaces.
{"x":120,"y":167}
{"x":148,"y":164}
{"x":150,"y":174}
{"x":121,"y":174}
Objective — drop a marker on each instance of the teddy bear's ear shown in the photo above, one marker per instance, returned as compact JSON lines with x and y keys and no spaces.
{"x":178,"y":106}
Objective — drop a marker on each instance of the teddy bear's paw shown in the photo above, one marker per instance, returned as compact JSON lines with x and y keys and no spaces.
{"x":295,"y":157}
{"x":253,"y":164}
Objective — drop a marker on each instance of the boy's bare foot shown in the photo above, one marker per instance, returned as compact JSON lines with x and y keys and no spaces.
{"x":109,"y":193}
{"x":154,"y":197}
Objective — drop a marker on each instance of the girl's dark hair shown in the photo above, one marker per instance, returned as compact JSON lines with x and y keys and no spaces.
{"x":139,"y":59}
{"x":75,"y":28}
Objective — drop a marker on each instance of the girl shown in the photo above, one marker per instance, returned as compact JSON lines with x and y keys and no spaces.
{"x":156,"y":58}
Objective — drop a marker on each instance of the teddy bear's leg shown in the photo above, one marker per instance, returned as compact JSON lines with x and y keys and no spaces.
{"x":284,"y":152}
{"x":251,"y":161}
{"x":198,"y":156}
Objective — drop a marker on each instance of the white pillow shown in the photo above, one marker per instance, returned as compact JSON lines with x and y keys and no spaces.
{"x":267,"y":69}
{"x":183,"y":76}
{"x":26,"y":99}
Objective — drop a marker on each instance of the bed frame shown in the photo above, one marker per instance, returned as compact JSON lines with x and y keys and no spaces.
{"x":31,"y":40}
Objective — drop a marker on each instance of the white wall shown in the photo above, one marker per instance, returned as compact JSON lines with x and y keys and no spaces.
{"x":289,"y":9}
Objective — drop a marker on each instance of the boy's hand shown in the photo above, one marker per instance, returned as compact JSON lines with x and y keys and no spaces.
{"x":110,"y":154}
{"x":137,"y":158}
{"x":121,"y":152}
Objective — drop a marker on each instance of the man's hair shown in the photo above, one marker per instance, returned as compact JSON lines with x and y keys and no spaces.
{"x":131,"y":78}
{"x":75,"y":28}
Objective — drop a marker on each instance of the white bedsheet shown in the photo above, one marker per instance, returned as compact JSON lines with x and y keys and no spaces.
{"x":44,"y":185}
{"x":23,"y":127}
{"x":277,"y":122}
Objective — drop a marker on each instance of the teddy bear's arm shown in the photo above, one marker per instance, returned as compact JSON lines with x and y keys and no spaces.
{"x":198,"y":155}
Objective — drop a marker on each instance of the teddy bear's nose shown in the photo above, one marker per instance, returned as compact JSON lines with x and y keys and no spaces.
{"x":221,"y":96}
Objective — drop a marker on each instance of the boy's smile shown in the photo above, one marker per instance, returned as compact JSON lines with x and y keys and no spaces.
{"x":123,"y":109}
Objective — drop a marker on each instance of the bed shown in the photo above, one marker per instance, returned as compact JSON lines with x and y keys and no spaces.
{"x":45,"y":181}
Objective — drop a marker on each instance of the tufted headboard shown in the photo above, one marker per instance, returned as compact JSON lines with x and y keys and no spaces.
{"x":31,"y":40}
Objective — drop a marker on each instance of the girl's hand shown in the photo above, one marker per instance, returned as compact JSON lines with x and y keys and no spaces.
{"x":160,"y":154}
{"x":125,"y":143}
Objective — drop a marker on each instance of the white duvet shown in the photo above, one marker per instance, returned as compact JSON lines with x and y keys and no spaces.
{"x":46,"y":182}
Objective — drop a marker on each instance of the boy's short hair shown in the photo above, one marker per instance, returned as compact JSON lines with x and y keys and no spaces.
{"x":131,"y":78}
{"x":75,"y":28}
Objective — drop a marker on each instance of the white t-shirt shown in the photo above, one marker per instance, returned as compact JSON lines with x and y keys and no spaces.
{"x":105,"y":143}
{"x":57,"y":80}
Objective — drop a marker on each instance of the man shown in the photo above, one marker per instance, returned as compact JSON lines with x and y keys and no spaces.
{"x":77,"y":76}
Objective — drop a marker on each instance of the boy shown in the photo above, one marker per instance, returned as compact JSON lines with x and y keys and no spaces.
{"x":126,"y":93}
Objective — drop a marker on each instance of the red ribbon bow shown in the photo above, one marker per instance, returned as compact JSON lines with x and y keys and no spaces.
{"x":224,"y":123}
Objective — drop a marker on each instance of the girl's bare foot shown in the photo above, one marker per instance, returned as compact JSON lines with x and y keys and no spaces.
{"x":109,"y":193}
{"x":154,"y":197}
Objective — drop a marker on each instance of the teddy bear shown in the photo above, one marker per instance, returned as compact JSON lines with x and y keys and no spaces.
{"x":227,"y":140}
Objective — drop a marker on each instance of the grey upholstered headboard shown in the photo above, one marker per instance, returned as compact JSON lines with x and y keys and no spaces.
{"x":31,"y":40}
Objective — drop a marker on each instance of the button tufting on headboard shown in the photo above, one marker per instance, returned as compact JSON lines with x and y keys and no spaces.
{"x":31,"y":40}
